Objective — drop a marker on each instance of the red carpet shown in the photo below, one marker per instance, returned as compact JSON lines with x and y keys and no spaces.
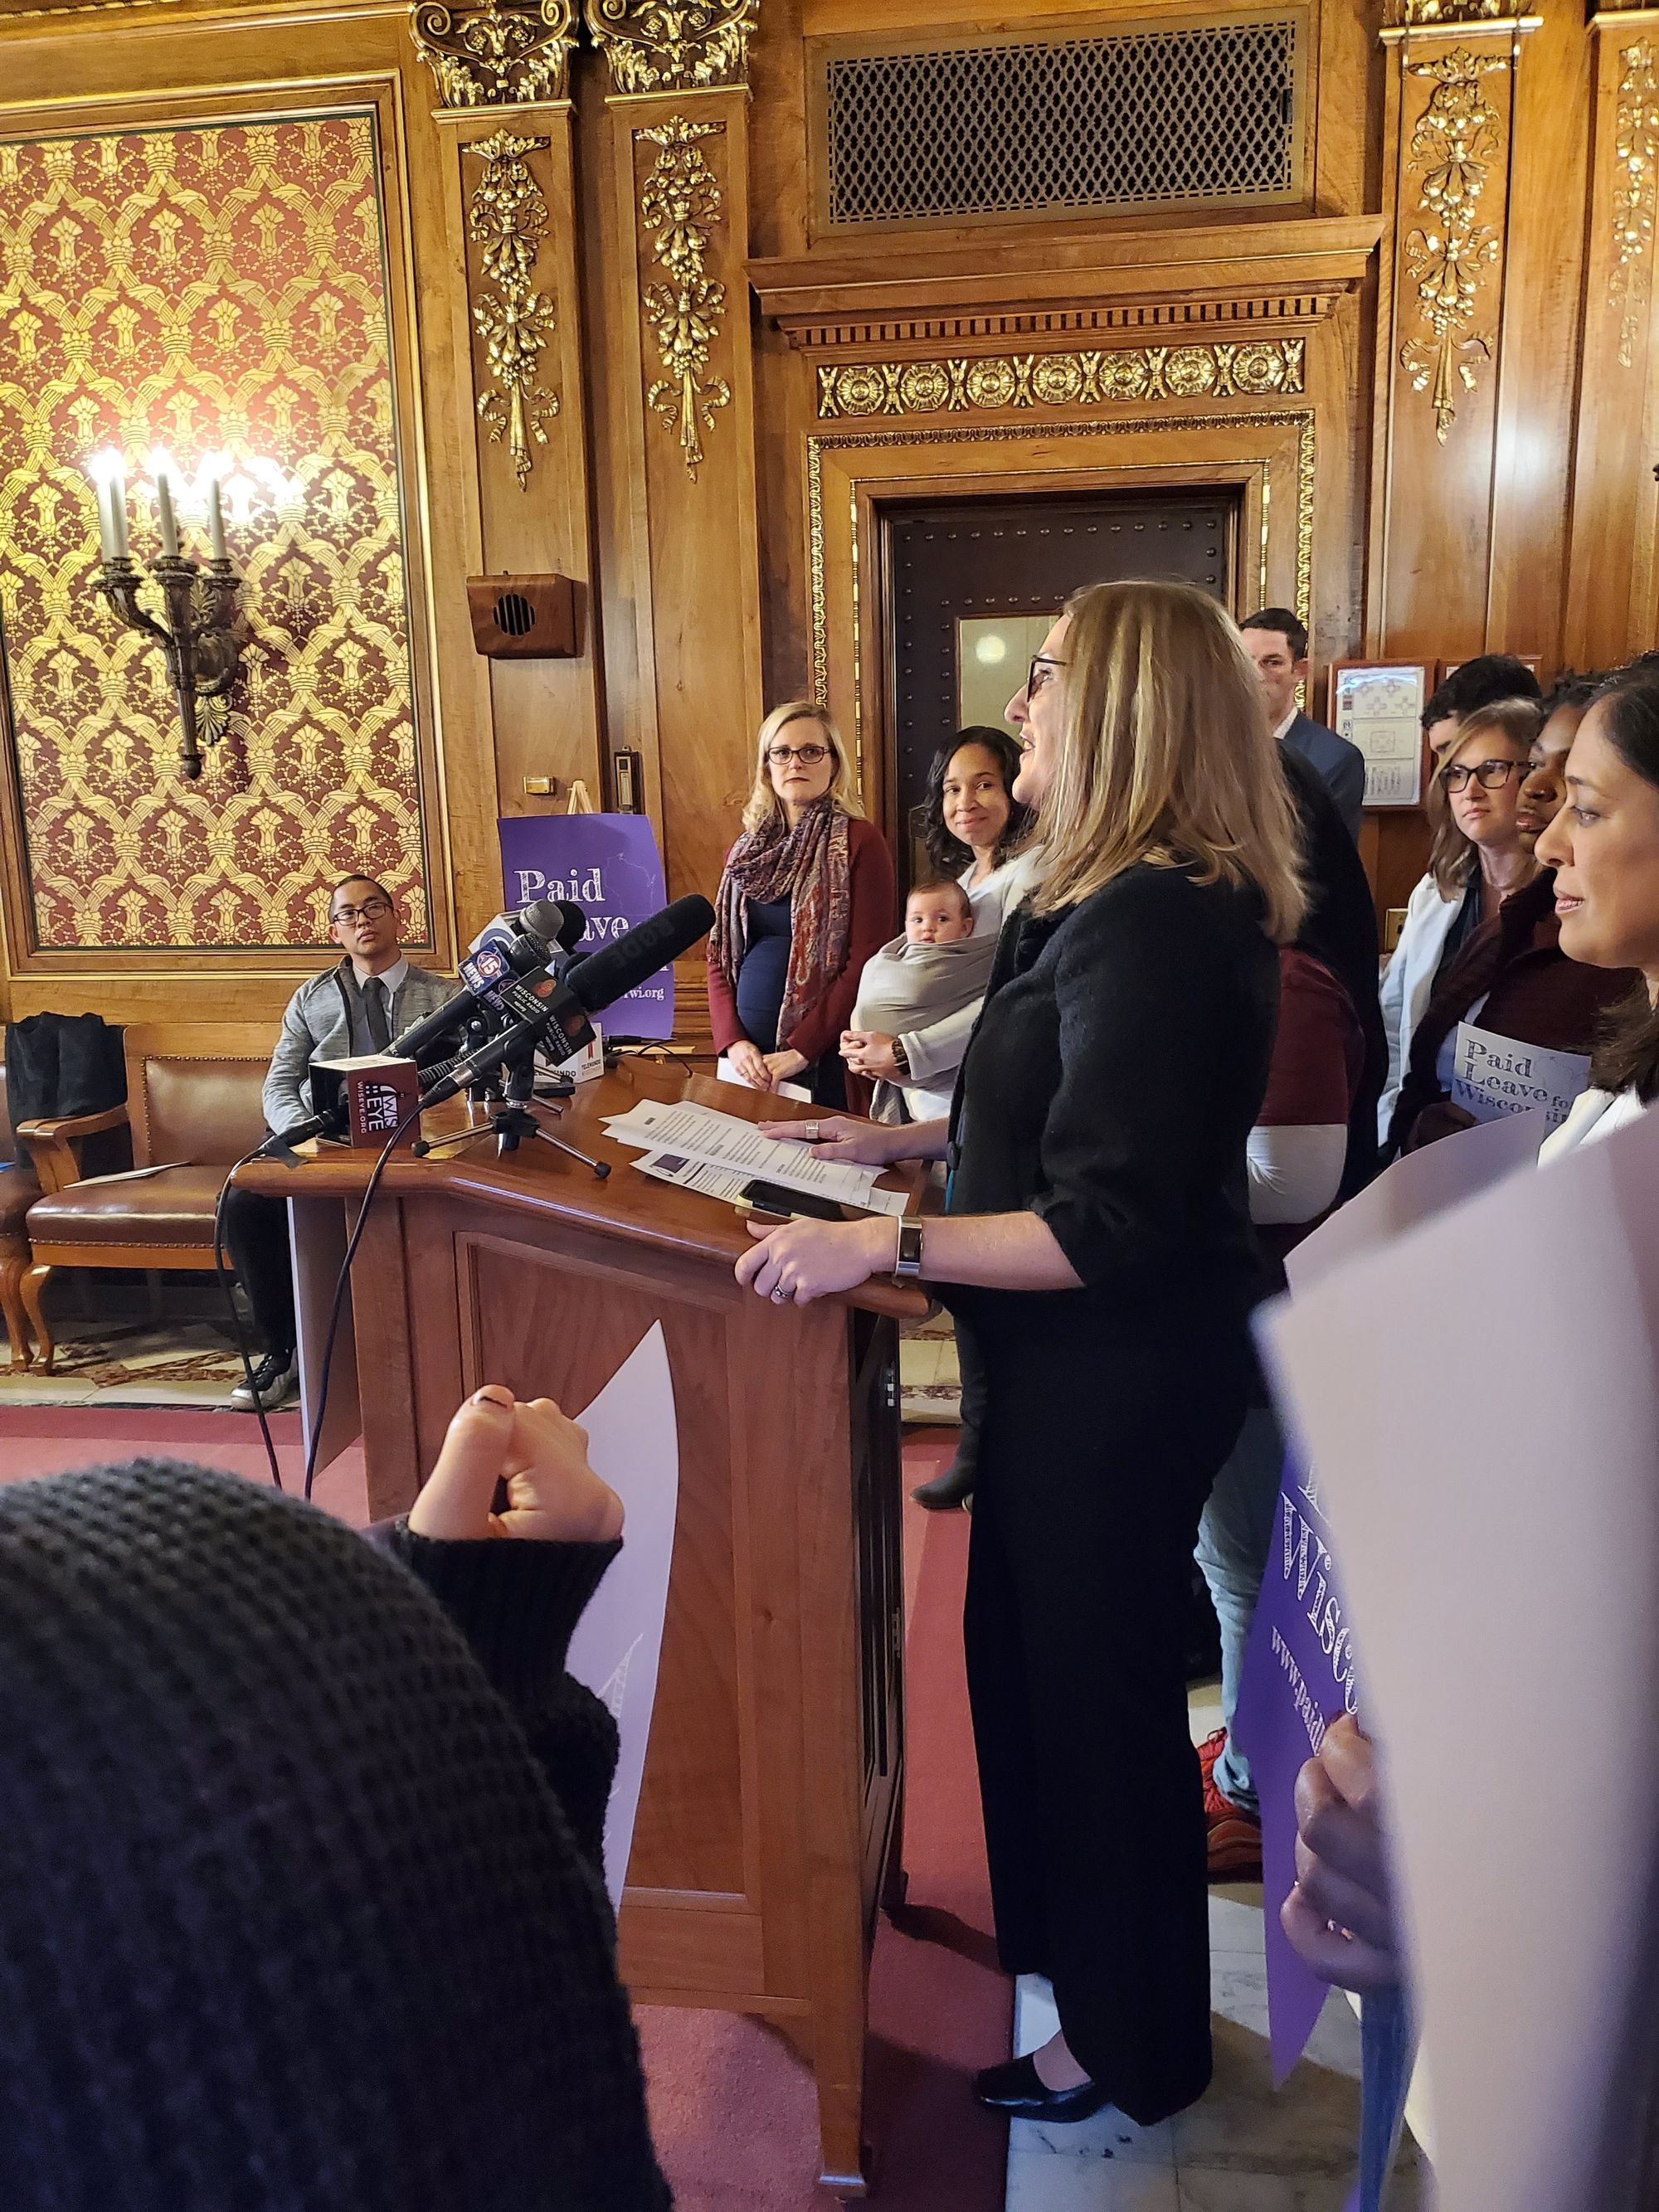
{"x":733,"y":2108}
{"x":53,"y":1439}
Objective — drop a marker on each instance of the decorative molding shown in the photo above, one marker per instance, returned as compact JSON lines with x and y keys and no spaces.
{"x":1454,"y":144}
{"x":992,"y":382}
{"x":825,"y":335}
{"x":681,"y":203}
{"x":690,"y":45}
{"x":1419,"y":13}
{"x":507,"y":214}
{"x":1636,"y":150}
{"x":497,"y":53}
{"x":1300,"y":419}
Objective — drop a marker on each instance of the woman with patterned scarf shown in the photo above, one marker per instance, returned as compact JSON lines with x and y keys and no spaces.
{"x":806,"y":898}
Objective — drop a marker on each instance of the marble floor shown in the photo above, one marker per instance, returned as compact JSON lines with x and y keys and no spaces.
{"x":1244,"y":2147}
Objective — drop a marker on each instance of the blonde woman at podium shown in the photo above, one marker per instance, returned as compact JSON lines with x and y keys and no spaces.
{"x":1097,"y":1248}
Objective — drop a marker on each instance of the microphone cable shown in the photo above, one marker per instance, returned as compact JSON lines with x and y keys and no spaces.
{"x":342,"y":1280}
{"x":236,"y":1329}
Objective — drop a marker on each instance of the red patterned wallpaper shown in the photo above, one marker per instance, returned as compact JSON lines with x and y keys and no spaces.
{"x":209,"y":290}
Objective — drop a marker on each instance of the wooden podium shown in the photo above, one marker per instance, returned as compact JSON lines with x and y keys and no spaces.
{"x":772,"y":1802}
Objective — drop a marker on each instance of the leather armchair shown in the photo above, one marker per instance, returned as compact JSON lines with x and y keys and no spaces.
{"x":18,"y":1191}
{"x":193,"y":1108}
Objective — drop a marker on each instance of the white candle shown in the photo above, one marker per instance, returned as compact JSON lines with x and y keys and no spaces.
{"x":105,"y":526}
{"x":118,"y":510}
{"x":165,"y":521}
{"x":215,"y":521}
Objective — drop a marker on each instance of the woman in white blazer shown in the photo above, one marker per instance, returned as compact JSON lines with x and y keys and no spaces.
{"x":1476,"y":859}
{"x":1604,"y":846}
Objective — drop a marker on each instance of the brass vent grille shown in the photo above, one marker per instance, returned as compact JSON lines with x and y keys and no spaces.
{"x":925,"y":131}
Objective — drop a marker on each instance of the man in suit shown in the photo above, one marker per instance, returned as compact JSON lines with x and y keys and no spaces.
{"x":1278,"y":643}
{"x":352,"y":1009}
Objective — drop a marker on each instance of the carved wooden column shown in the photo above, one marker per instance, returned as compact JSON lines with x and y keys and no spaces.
{"x":1612,"y":604}
{"x":678,"y":123}
{"x":1448,"y":151}
{"x":503,"y":73}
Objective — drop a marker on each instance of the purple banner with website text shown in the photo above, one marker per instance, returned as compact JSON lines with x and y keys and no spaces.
{"x":1298,"y":1675}
{"x":609,"y":866}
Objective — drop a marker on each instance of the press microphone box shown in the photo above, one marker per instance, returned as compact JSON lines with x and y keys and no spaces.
{"x":379,"y":1090}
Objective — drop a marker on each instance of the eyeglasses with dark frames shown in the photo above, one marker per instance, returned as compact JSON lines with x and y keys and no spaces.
{"x":808,"y":756}
{"x":1035,"y":681}
{"x":370,"y":910}
{"x":1490,"y":775}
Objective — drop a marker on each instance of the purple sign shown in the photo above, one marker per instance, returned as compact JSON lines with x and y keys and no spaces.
{"x":1298,"y":1675}
{"x":609,"y":866}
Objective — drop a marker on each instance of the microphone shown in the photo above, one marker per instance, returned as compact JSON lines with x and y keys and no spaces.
{"x":525,"y":952}
{"x":539,"y":1007}
{"x":553,"y":1009}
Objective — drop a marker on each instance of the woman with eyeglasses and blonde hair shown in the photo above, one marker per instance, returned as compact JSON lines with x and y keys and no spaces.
{"x":1097,"y":1248}
{"x":1478,"y":857}
{"x":806,"y":899}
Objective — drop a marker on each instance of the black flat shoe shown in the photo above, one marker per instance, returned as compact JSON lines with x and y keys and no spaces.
{"x":1016,"y":2089}
{"x":954,"y":1487}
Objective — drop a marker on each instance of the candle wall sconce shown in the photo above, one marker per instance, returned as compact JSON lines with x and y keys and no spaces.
{"x":196,"y":636}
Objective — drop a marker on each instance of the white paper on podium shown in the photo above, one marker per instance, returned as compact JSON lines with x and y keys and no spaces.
{"x":632,"y":1441}
{"x":1481,"y":1398}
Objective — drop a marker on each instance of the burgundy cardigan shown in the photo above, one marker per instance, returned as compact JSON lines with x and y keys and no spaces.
{"x":873,"y":894}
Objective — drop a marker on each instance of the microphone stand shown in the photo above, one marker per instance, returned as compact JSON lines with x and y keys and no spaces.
{"x":511,"y":1121}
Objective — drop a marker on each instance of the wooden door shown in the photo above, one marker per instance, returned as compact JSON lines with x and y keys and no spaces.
{"x":971,"y":585}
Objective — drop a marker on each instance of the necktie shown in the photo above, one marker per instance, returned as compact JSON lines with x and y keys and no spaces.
{"x":374,"y":1007}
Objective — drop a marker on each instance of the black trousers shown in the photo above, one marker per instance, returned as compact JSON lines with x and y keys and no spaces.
{"x":1097,"y":1447}
{"x":256,"y":1237}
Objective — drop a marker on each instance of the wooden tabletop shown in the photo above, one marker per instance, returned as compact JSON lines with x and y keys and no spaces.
{"x":536,"y":1179}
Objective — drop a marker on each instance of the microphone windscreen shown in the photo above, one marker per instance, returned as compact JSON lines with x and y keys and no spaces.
{"x":616,"y":970}
{"x":556,"y":922}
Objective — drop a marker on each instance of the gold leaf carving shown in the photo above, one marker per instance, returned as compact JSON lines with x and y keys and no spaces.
{"x":1636,"y":150}
{"x":495,"y":53}
{"x":507,"y":214}
{"x":1083,"y":378}
{"x":1455,"y":11}
{"x":681,"y":204}
{"x":1456,"y":142}
{"x":674,"y":45}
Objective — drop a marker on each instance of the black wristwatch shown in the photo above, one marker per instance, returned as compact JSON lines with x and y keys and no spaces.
{"x":901,"y":1059}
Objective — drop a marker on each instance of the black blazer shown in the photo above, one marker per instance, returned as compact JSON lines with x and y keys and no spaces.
{"x":1113,"y":1078}
{"x":1342,"y":766}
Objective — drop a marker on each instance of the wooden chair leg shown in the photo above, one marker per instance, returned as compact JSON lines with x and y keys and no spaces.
{"x":12,"y":1265}
{"x":33,"y":1284}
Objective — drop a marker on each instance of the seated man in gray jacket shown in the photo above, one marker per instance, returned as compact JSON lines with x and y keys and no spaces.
{"x":355,"y":1008}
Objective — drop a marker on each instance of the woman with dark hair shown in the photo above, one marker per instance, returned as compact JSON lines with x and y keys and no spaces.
{"x":971,"y":826}
{"x":1604,"y":847}
{"x":1314,"y":1145}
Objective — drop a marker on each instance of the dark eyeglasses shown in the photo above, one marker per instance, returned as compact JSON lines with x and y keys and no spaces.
{"x":808,"y":756}
{"x":1491,"y":775}
{"x":370,"y":910}
{"x":1036,"y":676}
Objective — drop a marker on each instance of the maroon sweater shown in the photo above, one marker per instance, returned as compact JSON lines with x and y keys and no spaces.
{"x":872,"y":891}
{"x":1533,"y":993}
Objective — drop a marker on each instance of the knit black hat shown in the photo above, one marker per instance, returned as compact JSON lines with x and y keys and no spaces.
{"x":290,"y":1916}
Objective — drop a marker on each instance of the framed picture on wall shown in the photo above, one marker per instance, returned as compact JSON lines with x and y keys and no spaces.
{"x":1377,"y":705}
